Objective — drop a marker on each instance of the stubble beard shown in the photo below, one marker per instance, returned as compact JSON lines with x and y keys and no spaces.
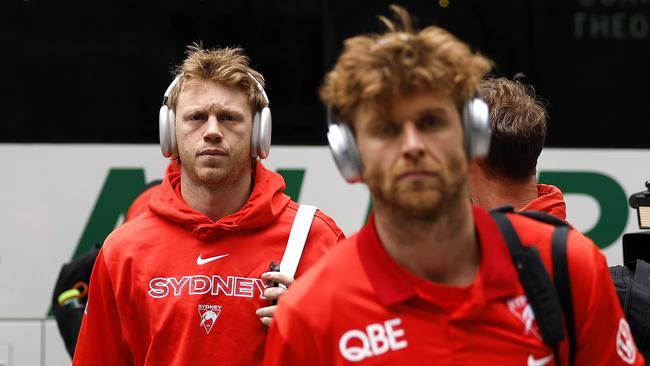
{"x":225,"y":173}
{"x":222,"y":176}
{"x":422,"y":200}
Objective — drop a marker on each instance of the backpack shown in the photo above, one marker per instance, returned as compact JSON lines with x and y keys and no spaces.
{"x":551,"y":301}
{"x":69,"y":312}
{"x":632,"y":283}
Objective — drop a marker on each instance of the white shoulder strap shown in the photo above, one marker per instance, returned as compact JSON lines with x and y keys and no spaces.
{"x":297,"y":238}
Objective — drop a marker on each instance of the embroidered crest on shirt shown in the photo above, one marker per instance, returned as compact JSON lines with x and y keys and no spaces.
{"x":209,"y":315}
{"x":520,"y":307}
{"x":625,"y":343}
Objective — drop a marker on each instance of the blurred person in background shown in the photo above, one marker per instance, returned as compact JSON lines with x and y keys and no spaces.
{"x":507,"y":176}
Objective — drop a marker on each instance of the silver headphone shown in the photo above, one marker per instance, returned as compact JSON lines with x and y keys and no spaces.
{"x":260,"y":138}
{"x":476,"y":138}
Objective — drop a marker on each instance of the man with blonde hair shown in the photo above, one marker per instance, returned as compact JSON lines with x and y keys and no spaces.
{"x":430,"y":279}
{"x":518,"y":122}
{"x":187,"y":281}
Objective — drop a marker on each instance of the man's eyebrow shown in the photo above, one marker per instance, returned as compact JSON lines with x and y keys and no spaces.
{"x":436,"y":111}
{"x":229,"y":109}
{"x":431,"y":110}
{"x":219,"y":109}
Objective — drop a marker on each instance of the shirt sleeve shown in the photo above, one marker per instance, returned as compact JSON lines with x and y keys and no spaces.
{"x":603,"y":335}
{"x":100,"y":339}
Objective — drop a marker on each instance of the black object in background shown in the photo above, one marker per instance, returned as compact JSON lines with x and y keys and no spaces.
{"x":95,"y":71}
{"x":274,"y":267}
{"x":632,"y":279}
{"x":68,"y":319}
{"x":632,"y":283}
{"x":636,"y":246}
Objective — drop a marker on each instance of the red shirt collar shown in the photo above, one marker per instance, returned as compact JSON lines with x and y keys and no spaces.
{"x":393,"y":284}
{"x":550,"y":200}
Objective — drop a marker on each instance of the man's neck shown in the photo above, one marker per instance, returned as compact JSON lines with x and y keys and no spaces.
{"x":492,"y":191}
{"x":443,"y":250}
{"x":216,"y":201}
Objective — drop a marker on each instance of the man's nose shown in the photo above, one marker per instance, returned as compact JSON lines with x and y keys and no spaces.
{"x":212,"y":131}
{"x":412,"y":144}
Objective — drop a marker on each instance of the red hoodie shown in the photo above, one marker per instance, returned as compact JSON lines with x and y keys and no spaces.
{"x":549,"y":199}
{"x":173,"y":287}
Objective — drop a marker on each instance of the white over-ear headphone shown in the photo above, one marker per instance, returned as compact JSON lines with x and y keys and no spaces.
{"x":476,"y":140}
{"x":260,"y":137}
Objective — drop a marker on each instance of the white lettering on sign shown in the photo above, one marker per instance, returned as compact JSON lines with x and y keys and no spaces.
{"x":376,"y":339}
{"x":611,"y":26}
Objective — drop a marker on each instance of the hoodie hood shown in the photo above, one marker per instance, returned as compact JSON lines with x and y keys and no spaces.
{"x":265,"y":203}
{"x":549,"y":200}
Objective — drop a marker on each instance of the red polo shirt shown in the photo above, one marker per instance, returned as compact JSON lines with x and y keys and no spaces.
{"x":358,"y":306}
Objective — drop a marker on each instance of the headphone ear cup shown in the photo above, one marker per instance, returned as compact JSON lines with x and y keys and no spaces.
{"x":172,"y":133}
{"x":261,"y":134}
{"x":164,"y":133}
{"x":264,"y":134}
{"x":255,"y":135}
{"x":345,"y":152}
{"x":167,"y":124}
{"x":477,"y":131}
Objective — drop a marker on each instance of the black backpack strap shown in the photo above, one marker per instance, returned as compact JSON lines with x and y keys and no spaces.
{"x":536,"y":282}
{"x":563,"y":285}
{"x":543,"y":217}
{"x":561,"y":278}
{"x":503,"y":209}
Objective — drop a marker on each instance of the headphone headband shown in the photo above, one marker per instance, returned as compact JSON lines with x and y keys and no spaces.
{"x":171,"y":87}
{"x":330,"y":116}
{"x":260,"y":88}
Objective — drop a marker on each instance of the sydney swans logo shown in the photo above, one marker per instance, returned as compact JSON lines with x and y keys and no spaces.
{"x":209,"y":315}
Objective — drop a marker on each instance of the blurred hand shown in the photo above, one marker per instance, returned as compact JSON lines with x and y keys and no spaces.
{"x":272,"y":293}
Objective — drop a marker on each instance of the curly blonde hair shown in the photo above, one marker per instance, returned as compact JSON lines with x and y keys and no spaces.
{"x":227,"y":65}
{"x":375,"y":67}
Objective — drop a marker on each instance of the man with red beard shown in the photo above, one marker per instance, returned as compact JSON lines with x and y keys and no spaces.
{"x":186,"y":282}
{"x":429,"y":279}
